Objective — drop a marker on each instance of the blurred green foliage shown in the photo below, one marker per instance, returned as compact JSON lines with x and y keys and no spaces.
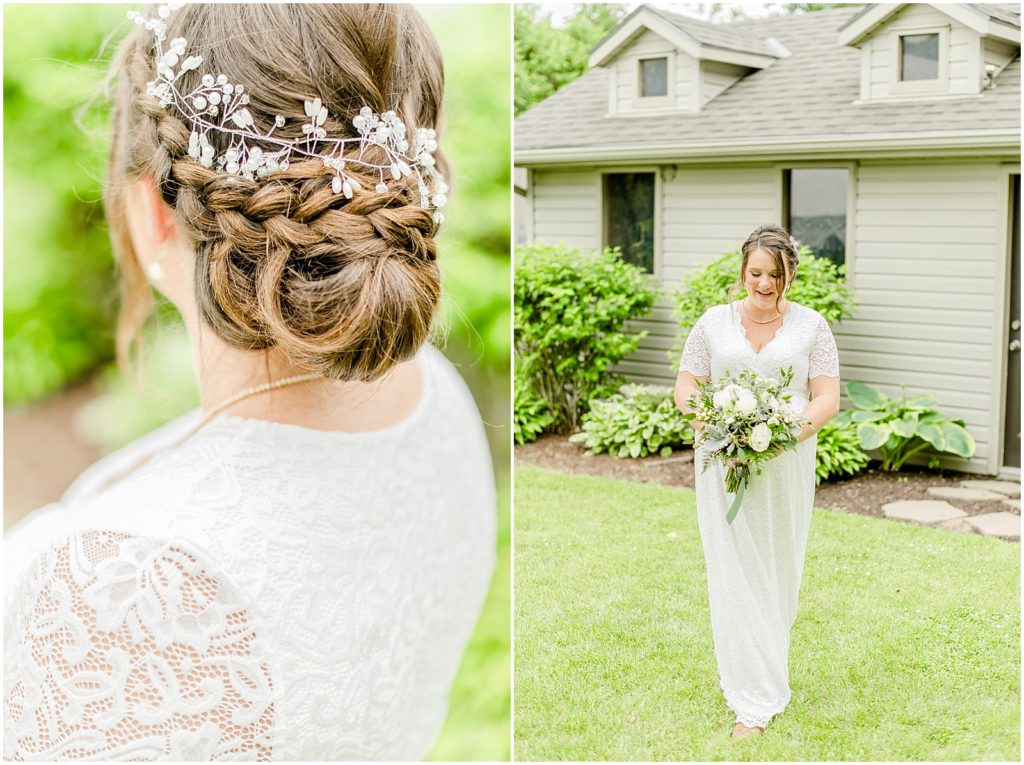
{"x":60,"y":289}
{"x":549,"y":57}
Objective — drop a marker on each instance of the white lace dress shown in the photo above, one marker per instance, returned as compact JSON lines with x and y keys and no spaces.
{"x":754,"y":566}
{"x":262,"y":592}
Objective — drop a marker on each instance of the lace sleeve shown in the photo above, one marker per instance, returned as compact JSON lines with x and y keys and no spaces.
{"x":696,"y":356}
{"x":824,"y":359}
{"x":126,"y":648}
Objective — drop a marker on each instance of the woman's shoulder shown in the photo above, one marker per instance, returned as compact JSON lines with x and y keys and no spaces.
{"x":809,"y":315}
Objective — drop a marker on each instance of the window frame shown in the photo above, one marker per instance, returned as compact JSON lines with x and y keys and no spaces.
{"x":602,"y":232}
{"x":641,"y":101}
{"x":898,"y":87}
{"x":851,"y":167}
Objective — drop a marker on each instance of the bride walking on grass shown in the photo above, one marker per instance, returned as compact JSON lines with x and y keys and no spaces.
{"x":754,"y":565}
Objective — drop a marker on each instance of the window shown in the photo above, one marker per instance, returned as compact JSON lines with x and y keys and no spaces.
{"x":815,"y":205}
{"x":629,"y":216}
{"x":919,"y":57}
{"x":653,"y":77}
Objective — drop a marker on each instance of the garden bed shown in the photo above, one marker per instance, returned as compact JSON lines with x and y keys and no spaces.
{"x":863,"y":494}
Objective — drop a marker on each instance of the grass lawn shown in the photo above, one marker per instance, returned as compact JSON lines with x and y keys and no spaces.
{"x":906,"y":645}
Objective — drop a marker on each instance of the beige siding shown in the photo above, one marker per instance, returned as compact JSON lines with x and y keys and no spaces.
{"x":567,"y":208}
{"x":625,"y":95}
{"x":927,"y":274}
{"x":716,"y":77}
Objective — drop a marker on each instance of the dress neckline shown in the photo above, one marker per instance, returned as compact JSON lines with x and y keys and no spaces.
{"x":737,"y":315}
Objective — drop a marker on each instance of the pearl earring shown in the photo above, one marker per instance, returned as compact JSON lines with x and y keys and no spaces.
{"x":155,"y":271}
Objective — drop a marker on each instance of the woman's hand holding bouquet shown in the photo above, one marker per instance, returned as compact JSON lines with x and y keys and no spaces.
{"x":747,"y":419}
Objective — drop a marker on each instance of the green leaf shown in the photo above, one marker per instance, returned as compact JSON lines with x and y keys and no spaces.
{"x":921,"y":402}
{"x":933,"y":434}
{"x":906,"y":426}
{"x":865,"y":397}
{"x":871,"y":435}
{"x":958,"y":440}
{"x":863,"y":415}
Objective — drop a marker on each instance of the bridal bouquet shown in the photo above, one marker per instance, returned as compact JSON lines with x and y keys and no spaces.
{"x":748,"y":419}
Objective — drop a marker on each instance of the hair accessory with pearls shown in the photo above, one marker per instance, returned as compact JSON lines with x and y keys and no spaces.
{"x":217,"y":104}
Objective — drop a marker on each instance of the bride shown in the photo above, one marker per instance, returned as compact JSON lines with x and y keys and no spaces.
{"x":294,"y":571}
{"x":754,"y":566}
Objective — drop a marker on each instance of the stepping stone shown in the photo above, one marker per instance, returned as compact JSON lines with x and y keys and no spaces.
{"x":997,"y":524}
{"x":955,"y":492}
{"x":1012,"y":503}
{"x":957,"y":524}
{"x":1009,"y":488}
{"x":922,"y":510}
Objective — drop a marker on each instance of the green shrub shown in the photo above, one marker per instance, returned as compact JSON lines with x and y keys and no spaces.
{"x":571,"y":308}
{"x":819,"y":284}
{"x":901,"y":427}
{"x":531,"y":412}
{"x":638,"y":421}
{"x":839,"y":451}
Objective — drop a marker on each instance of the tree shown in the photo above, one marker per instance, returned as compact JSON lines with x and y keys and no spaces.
{"x":548,"y":58}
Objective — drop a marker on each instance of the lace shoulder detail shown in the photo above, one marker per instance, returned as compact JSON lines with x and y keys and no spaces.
{"x":696,"y":357}
{"x":824,"y":357}
{"x":125,"y":648}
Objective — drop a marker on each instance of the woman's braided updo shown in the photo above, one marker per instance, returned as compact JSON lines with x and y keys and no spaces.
{"x":777,"y":242}
{"x":345,"y":287}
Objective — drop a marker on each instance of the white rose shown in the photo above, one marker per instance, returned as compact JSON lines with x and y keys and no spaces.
{"x":760,"y":437}
{"x":745,"y":402}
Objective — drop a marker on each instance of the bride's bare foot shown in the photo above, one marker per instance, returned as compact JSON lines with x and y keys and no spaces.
{"x":742,"y":731}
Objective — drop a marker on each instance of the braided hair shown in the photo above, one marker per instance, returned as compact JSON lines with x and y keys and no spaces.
{"x":344,"y":287}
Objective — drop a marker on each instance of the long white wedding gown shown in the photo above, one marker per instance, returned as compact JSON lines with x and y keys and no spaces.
{"x":754,"y":566}
{"x":261,"y":592}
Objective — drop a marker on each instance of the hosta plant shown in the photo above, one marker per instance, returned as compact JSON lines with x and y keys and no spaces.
{"x":901,"y":427}
{"x":638,"y":421}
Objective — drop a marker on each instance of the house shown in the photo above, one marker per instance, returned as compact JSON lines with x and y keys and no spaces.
{"x":886,"y":137}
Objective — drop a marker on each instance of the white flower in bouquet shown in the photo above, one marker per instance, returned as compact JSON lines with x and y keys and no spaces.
{"x":760,"y":437}
{"x":748,"y":419}
{"x":745,"y":402}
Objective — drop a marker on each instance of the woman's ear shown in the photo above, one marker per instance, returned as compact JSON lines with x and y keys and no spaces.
{"x":157,"y":217}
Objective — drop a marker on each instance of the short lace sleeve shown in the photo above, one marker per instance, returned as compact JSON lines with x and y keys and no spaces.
{"x":824,"y":359}
{"x":125,"y":648}
{"x":696,"y":356}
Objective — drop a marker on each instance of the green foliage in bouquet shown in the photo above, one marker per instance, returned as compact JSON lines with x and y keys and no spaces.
{"x":819,"y":284}
{"x":531,"y":413}
{"x":839,"y":451}
{"x":901,"y":427}
{"x":637,"y":421}
{"x":571,"y":308}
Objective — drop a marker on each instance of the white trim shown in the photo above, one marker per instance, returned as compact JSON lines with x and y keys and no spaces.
{"x":952,"y":143}
{"x":940,"y":84}
{"x":602,"y":207}
{"x":857,"y":30}
{"x":644,"y":103}
{"x":645,"y":18}
{"x":851,"y":167}
{"x":1001,"y":330}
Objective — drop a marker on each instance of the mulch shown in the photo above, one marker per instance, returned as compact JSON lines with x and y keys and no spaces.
{"x":863,"y":494}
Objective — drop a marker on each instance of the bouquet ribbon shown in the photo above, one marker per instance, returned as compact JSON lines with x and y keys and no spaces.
{"x":735,"y":507}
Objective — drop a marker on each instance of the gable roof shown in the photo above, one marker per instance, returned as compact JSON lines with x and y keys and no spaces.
{"x":808,"y":99}
{"x":697,"y":38}
{"x":999,"y":21}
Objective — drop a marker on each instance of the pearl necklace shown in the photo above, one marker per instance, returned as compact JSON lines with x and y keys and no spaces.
{"x":253,"y":391}
{"x":769,"y":321}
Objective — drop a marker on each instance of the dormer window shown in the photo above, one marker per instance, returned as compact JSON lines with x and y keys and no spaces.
{"x":919,"y":61}
{"x":919,"y":57}
{"x":654,"y":77}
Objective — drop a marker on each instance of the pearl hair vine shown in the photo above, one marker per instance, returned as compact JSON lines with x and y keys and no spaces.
{"x":218,"y":105}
